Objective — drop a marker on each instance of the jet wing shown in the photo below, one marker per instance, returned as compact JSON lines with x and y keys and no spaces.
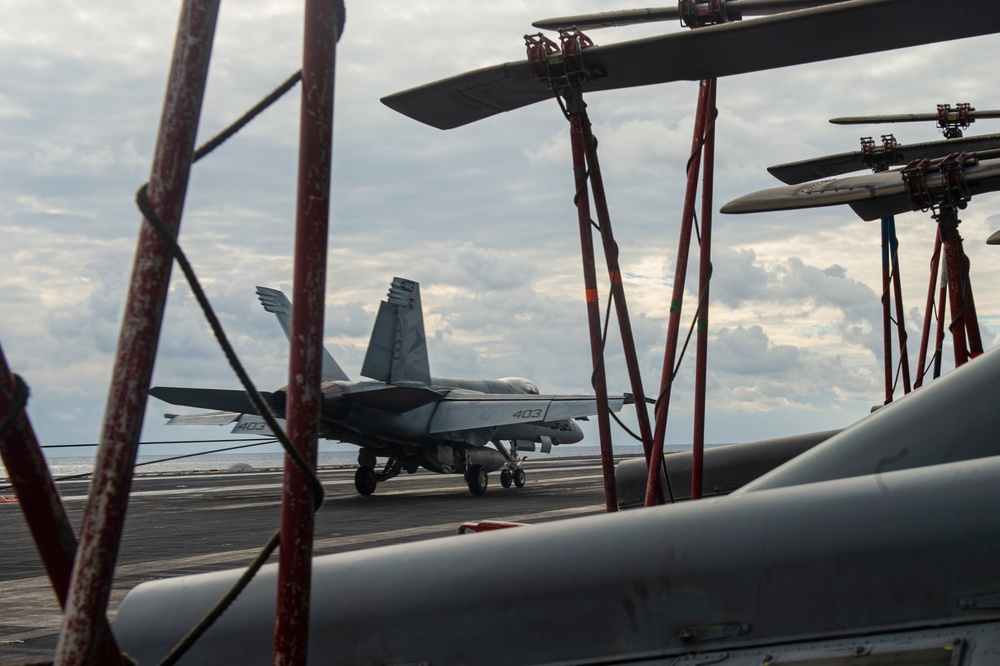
{"x":470,"y":411}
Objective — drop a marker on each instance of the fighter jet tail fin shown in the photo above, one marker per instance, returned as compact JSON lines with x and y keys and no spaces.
{"x":397,"y":351}
{"x":277,"y":303}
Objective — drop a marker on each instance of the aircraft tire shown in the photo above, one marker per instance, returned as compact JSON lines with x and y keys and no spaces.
{"x":364,"y":480}
{"x":477,"y":479}
{"x":519,"y":478}
{"x":505,"y":478}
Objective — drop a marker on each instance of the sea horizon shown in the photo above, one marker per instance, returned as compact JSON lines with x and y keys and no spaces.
{"x":73,"y":466}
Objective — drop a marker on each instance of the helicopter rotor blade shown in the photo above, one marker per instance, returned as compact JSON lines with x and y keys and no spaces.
{"x":739,"y":47}
{"x":625,"y":17}
{"x":613,"y":19}
{"x":908,"y":118}
{"x":794,"y":173}
{"x":871,"y":196}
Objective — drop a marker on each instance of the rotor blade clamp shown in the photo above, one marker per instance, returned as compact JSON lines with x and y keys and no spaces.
{"x":933,"y":184}
{"x":698,"y":14}
{"x":879,"y":159}
{"x":952,"y":121}
{"x":560,"y":66}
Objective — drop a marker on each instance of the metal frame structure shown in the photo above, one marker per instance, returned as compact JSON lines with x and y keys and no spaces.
{"x":104,"y":515}
{"x":85,"y":636}
{"x":291,"y":637}
{"x":561,"y":67}
{"x":82,"y":575}
{"x":702,"y":150}
{"x":940,"y":186}
{"x":891,"y":280}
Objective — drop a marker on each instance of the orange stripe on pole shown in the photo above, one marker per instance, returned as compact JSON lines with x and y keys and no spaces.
{"x":591,"y":295}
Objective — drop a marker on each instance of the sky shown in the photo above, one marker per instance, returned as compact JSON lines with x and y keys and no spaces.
{"x":481,"y":216}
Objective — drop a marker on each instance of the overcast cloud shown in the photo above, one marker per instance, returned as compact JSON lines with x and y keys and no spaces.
{"x":481,"y":216}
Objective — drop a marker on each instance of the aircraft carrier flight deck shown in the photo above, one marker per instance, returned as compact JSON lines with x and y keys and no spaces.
{"x":181,"y":524}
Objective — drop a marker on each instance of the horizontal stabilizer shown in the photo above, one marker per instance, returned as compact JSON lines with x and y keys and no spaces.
{"x":461,"y":411}
{"x":222,"y":400}
{"x":212,"y":418}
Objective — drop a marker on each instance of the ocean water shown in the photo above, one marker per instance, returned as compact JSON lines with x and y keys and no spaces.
{"x":61,"y":467}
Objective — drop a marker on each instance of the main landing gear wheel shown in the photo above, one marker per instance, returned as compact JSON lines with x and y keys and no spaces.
{"x":519,"y":477}
{"x":505,"y":478}
{"x":365,"y":481}
{"x":477,"y":479}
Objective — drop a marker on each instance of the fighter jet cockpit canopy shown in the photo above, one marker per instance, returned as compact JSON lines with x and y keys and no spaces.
{"x":522,"y":384}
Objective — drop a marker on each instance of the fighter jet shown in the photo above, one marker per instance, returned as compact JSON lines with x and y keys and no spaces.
{"x":405,"y":415}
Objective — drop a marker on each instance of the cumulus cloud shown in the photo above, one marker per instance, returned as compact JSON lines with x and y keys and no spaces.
{"x":481,"y":216}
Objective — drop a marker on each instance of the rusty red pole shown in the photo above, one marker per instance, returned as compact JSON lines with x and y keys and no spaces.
{"x":104,"y":515}
{"x":939,"y":331}
{"x":928,"y":308}
{"x":617,"y":288}
{"x":704,"y":278}
{"x":40,"y":503}
{"x":886,"y":317}
{"x":653,"y":493}
{"x":897,"y":286}
{"x":291,"y":636}
{"x":971,"y":317}
{"x":952,"y":243}
{"x":39,"y":500}
{"x":577,"y":118}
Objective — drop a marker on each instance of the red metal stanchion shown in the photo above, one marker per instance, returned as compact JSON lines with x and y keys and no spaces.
{"x":897,"y":293}
{"x":886,"y":317}
{"x":39,"y":499}
{"x":29,"y":475}
{"x":104,"y":516}
{"x":928,"y":310}
{"x":306,"y":356}
{"x":972,"y":331}
{"x":704,"y":277}
{"x":617,"y":288}
{"x":953,"y":256}
{"x":939,"y":331}
{"x":575,"y":108}
{"x":653,"y":492}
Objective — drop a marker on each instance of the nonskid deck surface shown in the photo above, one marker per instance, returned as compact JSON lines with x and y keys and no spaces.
{"x":193,"y":523}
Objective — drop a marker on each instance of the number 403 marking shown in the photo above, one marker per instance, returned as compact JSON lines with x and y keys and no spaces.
{"x":528,"y":414}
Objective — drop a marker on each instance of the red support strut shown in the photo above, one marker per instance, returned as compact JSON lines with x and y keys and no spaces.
{"x":575,"y":108}
{"x":104,"y":516}
{"x":704,"y":277}
{"x":39,"y":499}
{"x":617,"y":289}
{"x":653,"y":491}
{"x":305,"y":399}
{"x":564,"y":75}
